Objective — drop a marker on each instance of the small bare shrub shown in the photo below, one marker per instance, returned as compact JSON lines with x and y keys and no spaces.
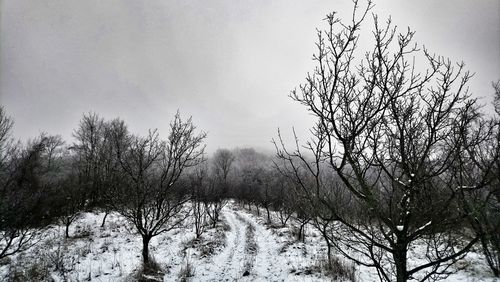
{"x":225,"y":226}
{"x":337,"y":269}
{"x":60,"y":260}
{"x":5,"y":261}
{"x":84,"y":250}
{"x":28,"y":270}
{"x":83,"y":231}
{"x":186,"y":271}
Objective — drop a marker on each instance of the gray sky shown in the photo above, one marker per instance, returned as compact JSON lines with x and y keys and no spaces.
{"x":230,"y":64}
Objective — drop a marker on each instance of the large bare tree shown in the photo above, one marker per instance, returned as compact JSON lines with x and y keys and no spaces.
{"x":386,"y":130}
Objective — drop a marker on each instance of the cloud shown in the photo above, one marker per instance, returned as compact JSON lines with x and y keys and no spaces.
{"x":229,"y":64}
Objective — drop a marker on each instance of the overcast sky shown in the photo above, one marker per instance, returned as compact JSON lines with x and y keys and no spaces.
{"x":229,"y":64}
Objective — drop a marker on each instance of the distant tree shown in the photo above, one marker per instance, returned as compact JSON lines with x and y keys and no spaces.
{"x":199,"y":179}
{"x":216,"y":195}
{"x":387,"y":133}
{"x":6,"y":125}
{"x":249,"y":166}
{"x":496,"y":99}
{"x":271,"y":191}
{"x":116,"y":135}
{"x":284,"y":201}
{"x":88,"y":150}
{"x":221,"y":163}
{"x":7,"y":148}
{"x":67,"y":201}
{"x":62,"y":194}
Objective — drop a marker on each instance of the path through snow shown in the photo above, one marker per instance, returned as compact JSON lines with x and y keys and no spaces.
{"x":229,"y":265}
{"x":268,"y":266}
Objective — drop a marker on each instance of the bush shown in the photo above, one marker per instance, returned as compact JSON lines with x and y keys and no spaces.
{"x":26,"y":270}
{"x":186,"y":271}
{"x":337,"y":269}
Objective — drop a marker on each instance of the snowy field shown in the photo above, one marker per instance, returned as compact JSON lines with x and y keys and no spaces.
{"x":241,"y":248}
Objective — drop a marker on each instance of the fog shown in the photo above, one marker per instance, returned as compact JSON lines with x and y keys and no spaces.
{"x":229,"y":64}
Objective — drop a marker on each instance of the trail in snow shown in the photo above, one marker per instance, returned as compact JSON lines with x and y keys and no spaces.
{"x":113,"y":253}
{"x":229,"y":264}
{"x":267,"y":265}
{"x":235,"y":252}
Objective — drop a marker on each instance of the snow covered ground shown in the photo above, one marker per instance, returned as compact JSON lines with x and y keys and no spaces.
{"x":242,"y":248}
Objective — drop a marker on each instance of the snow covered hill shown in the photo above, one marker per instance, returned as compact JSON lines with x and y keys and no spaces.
{"x":241,"y":248}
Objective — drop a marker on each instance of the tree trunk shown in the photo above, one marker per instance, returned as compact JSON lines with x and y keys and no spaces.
{"x":490,"y":255}
{"x":145,"y":248}
{"x":328,"y":244}
{"x":68,"y":223}
{"x":399,"y":256}
{"x":268,"y":215}
{"x":329,"y":252}
{"x":104,"y":218}
{"x":197,"y":219}
{"x":216,"y":213}
{"x":302,"y":235}
{"x":216,"y":217}
{"x":159,"y":209}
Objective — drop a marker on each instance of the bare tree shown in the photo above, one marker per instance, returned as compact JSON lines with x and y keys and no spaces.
{"x":116,"y":135}
{"x":387,"y":133}
{"x":25,"y":202}
{"x":8,"y":151}
{"x":90,"y":139}
{"x":148,"y":196}
{"x":481,"y":161}
{"x":222,"y":161}
{"x":496,"y":101}
{"x":249,"y":167}
{"x":218,"y":187}
{"x":183,"y":149}
{"x":13,"y":236}
{"x":284,"y":202}
{"x":199,"y":182}
{"x":6,"y":125}
{"x":63,"y":194}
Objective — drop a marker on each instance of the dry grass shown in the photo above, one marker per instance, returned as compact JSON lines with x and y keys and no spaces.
{"x":337,"y":269}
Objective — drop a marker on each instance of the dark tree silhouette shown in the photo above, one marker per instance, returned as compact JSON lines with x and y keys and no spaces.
{"x":26,"y":183}
{"x":387,"y":132}
{"x":481,"y":161}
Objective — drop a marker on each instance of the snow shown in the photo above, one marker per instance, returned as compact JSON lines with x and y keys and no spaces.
{"x":113,"y":253}
{"x":228,"y":265}
{"x":424,"y":226}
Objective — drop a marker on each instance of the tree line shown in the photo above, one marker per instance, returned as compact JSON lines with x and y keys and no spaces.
{"x":156,"y":184}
